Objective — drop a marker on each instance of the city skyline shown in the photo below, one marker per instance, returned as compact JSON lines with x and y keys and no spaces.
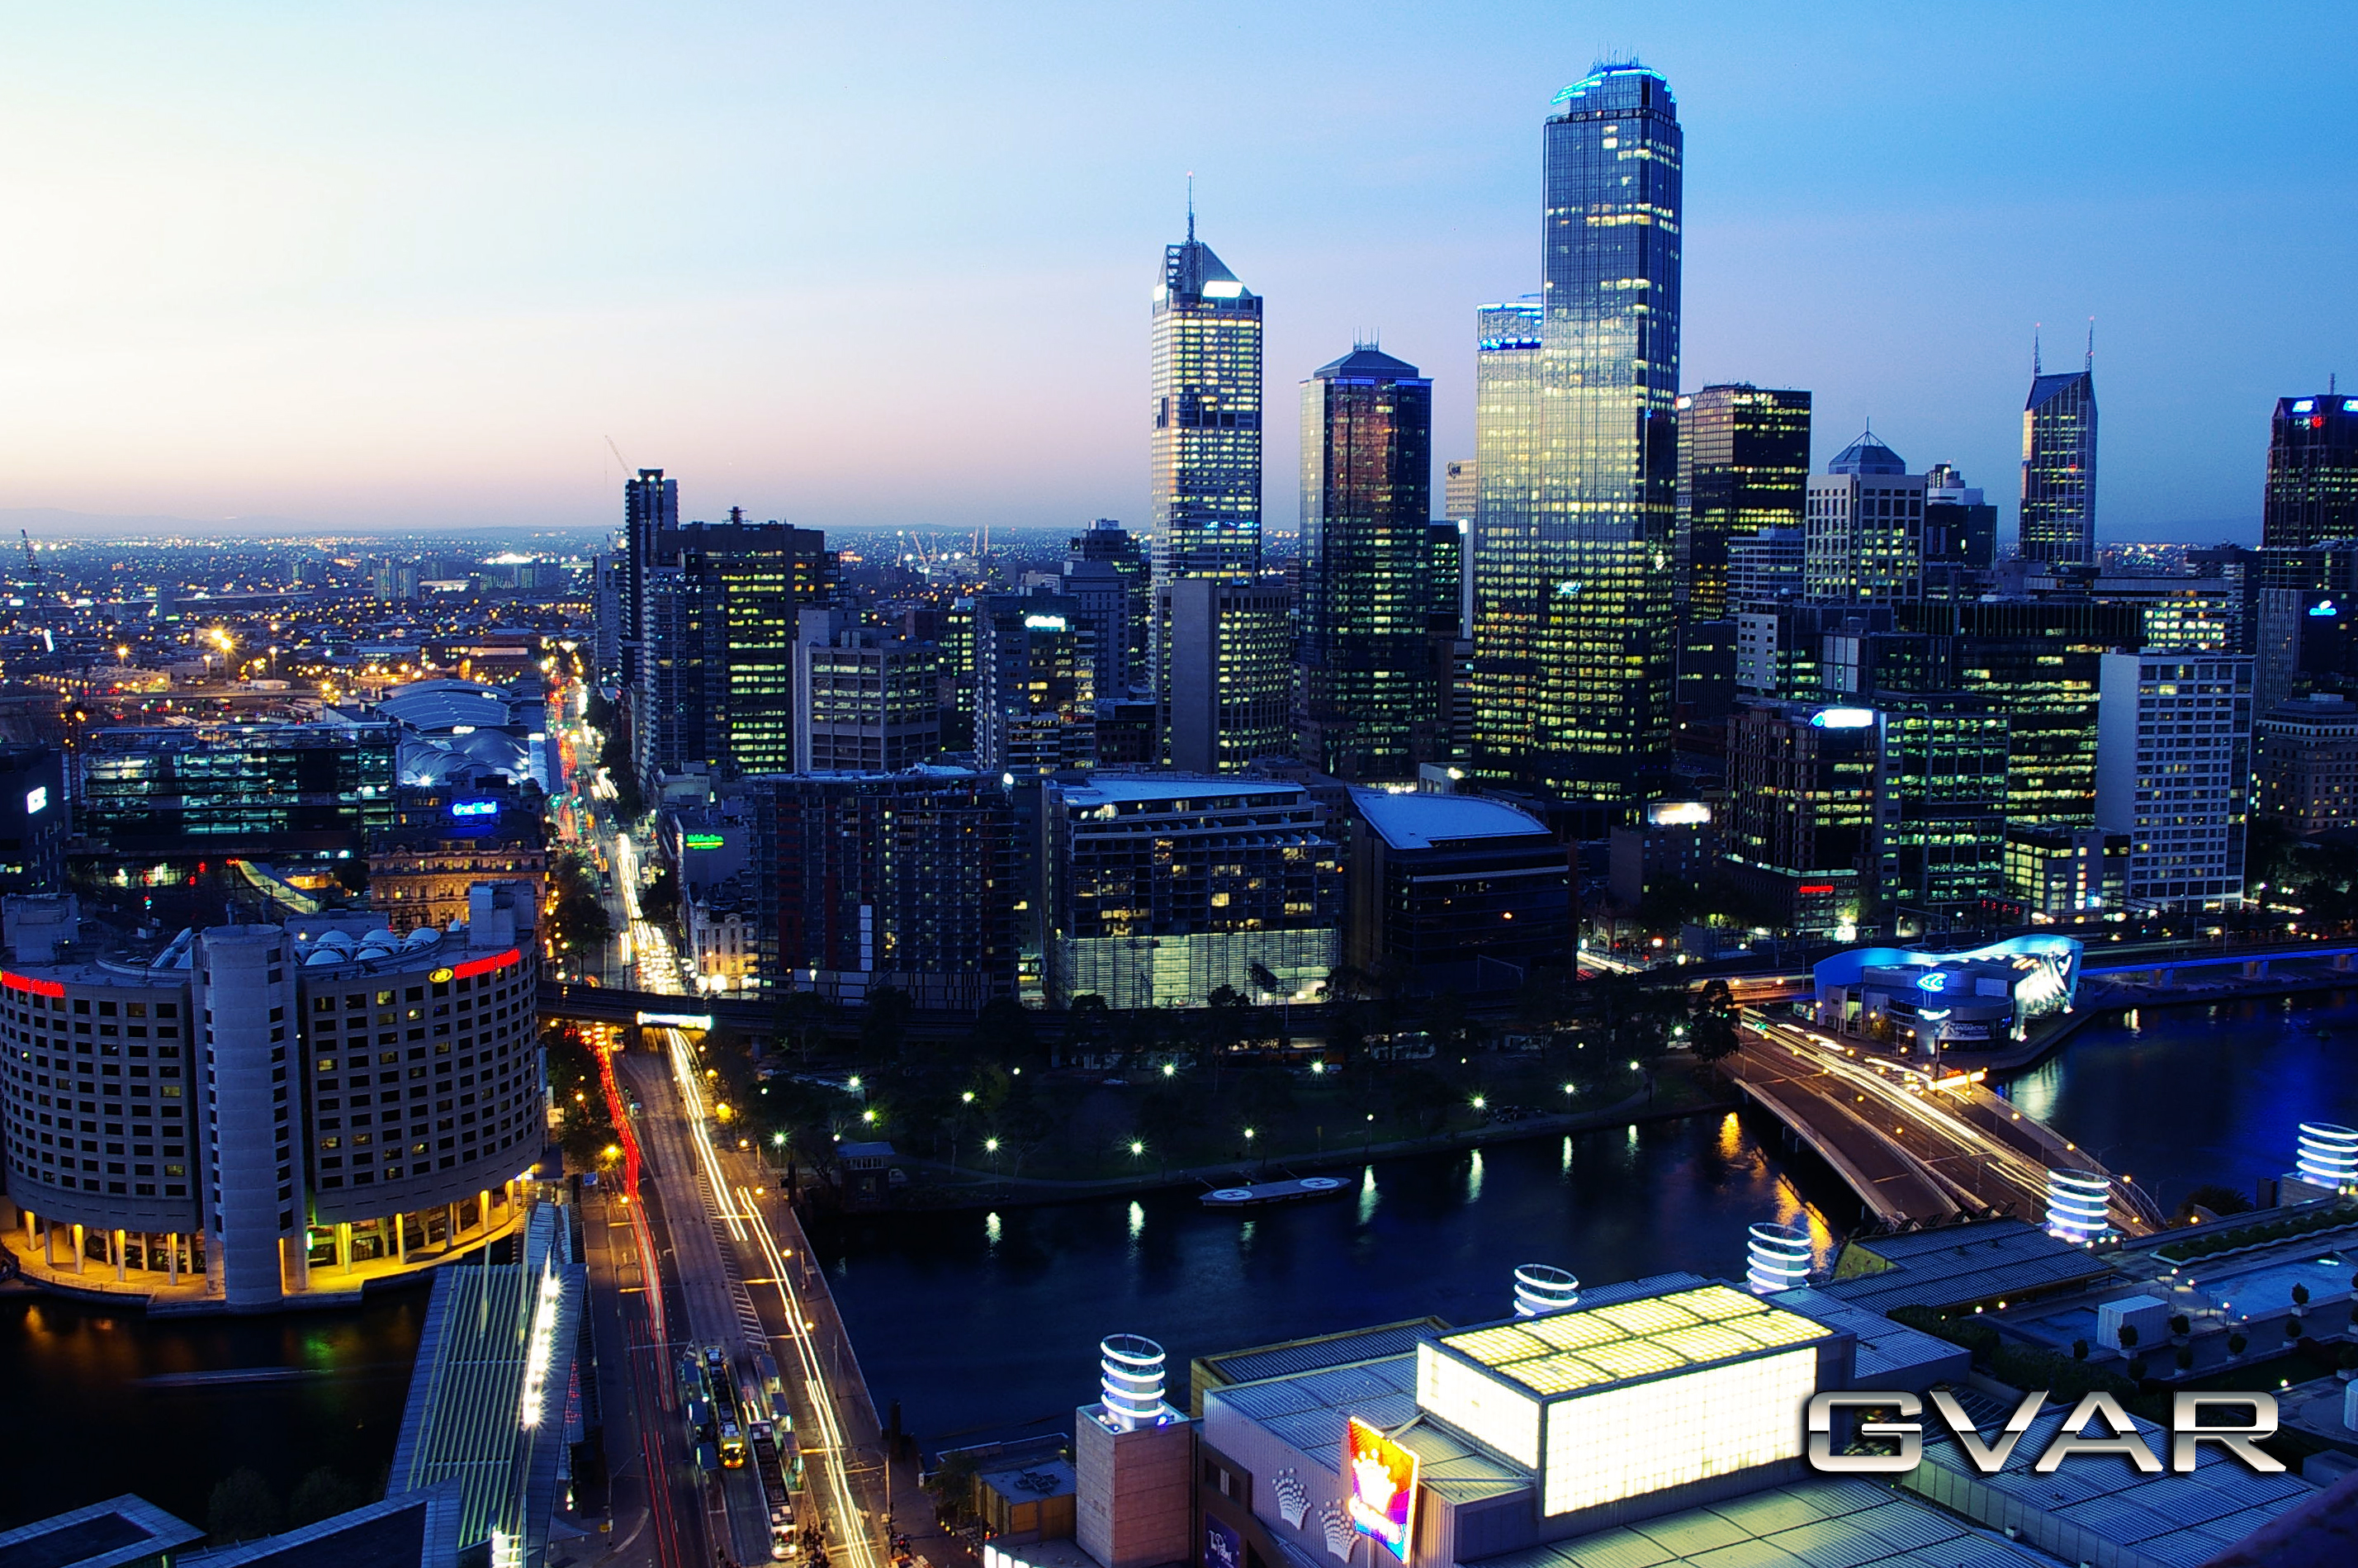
{"x":317,"y":324}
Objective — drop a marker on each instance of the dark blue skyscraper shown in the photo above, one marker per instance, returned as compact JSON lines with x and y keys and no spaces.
{"x":1368,"y":692}
{"x":2059,"y":469}
{"x":1574,"y":670}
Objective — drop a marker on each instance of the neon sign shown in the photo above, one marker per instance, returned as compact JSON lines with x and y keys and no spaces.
{"x":704,"y":840}
{"x":1933,"y":980}
{"x":474,"y":808}
{"x":1380,"y":1487}
{"x":37,"y":799}
{"x":1842,"y":718}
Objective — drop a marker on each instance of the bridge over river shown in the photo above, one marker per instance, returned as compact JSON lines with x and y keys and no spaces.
{"x":1912,"y":1147}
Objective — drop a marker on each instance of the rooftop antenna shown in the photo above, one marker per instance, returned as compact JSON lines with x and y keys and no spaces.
{"x":2090,"y":365}
{"x":1191,"y":206}
{"x":2035,"y":367}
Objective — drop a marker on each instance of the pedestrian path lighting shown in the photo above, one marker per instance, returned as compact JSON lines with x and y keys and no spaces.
{"x":2076,"y":1205}
{"x":1780,"y":1258}
{"x":1544,"y":1288}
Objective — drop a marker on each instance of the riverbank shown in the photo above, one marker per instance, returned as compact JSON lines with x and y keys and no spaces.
{"x":2117,"y":1000}
{"x":959,"y":1187}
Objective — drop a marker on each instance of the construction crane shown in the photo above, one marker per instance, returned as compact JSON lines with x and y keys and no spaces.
{"x":32,"y":567}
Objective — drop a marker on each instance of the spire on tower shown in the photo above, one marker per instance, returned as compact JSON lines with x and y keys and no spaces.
{"x":1191,"y":206}
{"x":2037,"y":370}
{"x":2089,"y":363}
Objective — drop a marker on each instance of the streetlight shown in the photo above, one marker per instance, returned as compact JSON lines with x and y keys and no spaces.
{"x":1481,"y":1102}
{"x":1169,"y":1069}
{"x":1136,"y":1148}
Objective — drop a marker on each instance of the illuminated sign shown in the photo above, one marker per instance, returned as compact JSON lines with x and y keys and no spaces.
{"x":37,"y":799}
{"x":27,"y":983}
{"x":1379,"y":1487}
{"x":1933,"y":980}
{"x":1679,"y":813}
{"x":1842,"y":719}
{"x":2122,"y":1440}
{"x":1223,"y":1547}
{"x":1223,"y":289}
{"x":440,"y":977}
{"x":676,"y":1020}
{"x":539,"y":1350}
{"x":463,"y":808}
{"x":1043,"y":623}
{"x":486,"y":966}
{"x":2305,"y":405}
{"x":1814,"y":890}
{"x":2323,"y":608}
{"x":705,"y":841}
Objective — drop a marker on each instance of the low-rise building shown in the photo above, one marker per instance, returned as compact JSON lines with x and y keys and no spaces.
{"x":1454,"y":892}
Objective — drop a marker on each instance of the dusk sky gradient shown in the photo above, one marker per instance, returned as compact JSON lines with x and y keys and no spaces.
{"x":394,"y":266}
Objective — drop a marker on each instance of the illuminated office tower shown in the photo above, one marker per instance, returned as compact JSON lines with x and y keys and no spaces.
{"x":1505,"y":536}
{"x":1205,"y":452}
{"x":870,"y":702}
{"x":1864,"y":538}
{"x":1578,"y":658}
{"x":2174,"y":773}
{"x":2312,"y":492}
{"x":1036,"y":693}
{"x":1744,"y":460}
{"x":1368,"y":686}
{"x":1227,"y":679}
{"x":2059,"y":470}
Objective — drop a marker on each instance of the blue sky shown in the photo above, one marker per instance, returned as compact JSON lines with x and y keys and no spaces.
{"x":889,"y":265}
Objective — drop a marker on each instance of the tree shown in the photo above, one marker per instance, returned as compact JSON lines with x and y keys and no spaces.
{"x":1003,"y":1032}
{"x":2219,"y":1200}
{"x":2129,"y":1337}
{"x":2236,"y":1343}
{"x":2185,"y":1358}
{"x":1712,"y":1025}
{"x":352,"y":875}
{"x":241,"y":1508}
{"x":2079,"y":1350}
{"x":802,"y":1018}
{"x":321,"y":1495}
{"x":883,"y":1023}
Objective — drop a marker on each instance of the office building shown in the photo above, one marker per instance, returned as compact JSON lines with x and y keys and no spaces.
{"x":1035,"y":685}
{"x":1369,"y":702}
{"x":1225,"y":687}
{"x":2059,"y":470}
{"x":1205,"y":453}
{"x":953,"y":628}
{"x":1667,"y":856}
{"x":1744,"y":463}
{"x":871,"y":879}
{"x":2205,"y":613}
{"x":1766,"y":566}
{"x":1801,"y":816}
{"x":1461,"y":488}
{"x":870,"y":702}
{"x":2174,"y":773}
{"x":1161,"y":889}
{"x":35,"y":820}
{"x":2312,"y":487}
{"x":2305,"y":764}
{"x":1096,"y":594}
{"x":1864,"y":539}
{"x":1449,"y":592}
{"x":722,"y":604}
{"x":306,"y":793}
{"x":1108,"y":542}
{"x":192,"y":1173}
{"x":1454,"y":892}
{"x":1940,"y":813}
{"x":1960,"y":527}
{"x":2066,"y":873}
{"x":1576,"y":441}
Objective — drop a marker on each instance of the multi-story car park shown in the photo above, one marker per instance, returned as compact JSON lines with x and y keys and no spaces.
{"x":255,"y":1113}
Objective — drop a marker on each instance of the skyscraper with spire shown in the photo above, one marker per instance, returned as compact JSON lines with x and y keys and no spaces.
{"x":2058,"y":464}
{"x":1207,"y":395}
{"x":1574,"y":641}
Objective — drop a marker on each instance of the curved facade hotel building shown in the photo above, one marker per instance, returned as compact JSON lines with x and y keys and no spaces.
{"x":250,"y":1105}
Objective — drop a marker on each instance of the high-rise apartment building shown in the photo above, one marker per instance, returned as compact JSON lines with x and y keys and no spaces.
{"x":2174,"y":773}
{"x":1369,"y":688}
{"x":2312,"y":493}
{"x":720,"y":606}
{"x":1939,"y":843}
{"x":2059,"y":470}
{"x":1225,"y":687}
{"x":650,"y":507}
{"x":1461,"y":488}
{"x":1864,"y":540}
{"x":1108,"y":541}
{"x":1801,"y":814}
{"x":1743,"y":461}
{"x":870,"y":702}
{"x":1204,"y":479}
{"x":1035,"y":695}
{"x":1572,"y":541}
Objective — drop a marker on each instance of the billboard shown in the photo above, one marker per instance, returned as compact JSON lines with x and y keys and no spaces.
{"x":1223,"y":1547}
{"x":1378,"y":1487}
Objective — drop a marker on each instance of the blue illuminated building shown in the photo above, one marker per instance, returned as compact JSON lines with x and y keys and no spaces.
{"x":1980,"y":998}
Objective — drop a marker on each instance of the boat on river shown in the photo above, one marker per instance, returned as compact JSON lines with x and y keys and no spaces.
{"x":1260,"y":1194}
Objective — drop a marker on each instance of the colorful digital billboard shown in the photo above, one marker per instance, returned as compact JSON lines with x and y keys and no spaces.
{"x":1380,"y":1487}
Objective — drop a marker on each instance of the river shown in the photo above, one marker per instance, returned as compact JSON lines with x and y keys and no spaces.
{"x":984,"y":1326}
{"x":987,"y":1324}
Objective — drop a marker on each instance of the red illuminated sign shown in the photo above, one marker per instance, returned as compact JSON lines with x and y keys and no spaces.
{"x":27,"y":983}
{"x":486,"y":966}
{"x":1808,"y":889}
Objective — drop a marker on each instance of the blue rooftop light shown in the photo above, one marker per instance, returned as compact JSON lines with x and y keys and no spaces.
{"x":1601,"y":74}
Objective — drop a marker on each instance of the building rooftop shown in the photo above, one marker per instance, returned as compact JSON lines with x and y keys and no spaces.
{"x":1868,"y":456}
{"x":1957,"y":1264}
{"x":1593,"y":1347}
{"x":1422,"y":821}
{"x":1309,"y":1410}
{"x":1194,"y":790}
{"x":1366,"y":359}
{"x":115,"y":1534}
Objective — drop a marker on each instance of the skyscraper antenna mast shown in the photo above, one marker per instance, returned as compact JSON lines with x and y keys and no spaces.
{"x":1191,"y":206}
{"x":2090,"y":365}
{"x":2035,"y":367}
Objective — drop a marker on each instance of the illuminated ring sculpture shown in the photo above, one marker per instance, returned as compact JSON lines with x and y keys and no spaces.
{"x":2077,"y":1203}
{"x":1542,"y":1288}
{"x":1780,"y":1257}
{"x":2329,"y":1156}
{"x":1129,"y":1369}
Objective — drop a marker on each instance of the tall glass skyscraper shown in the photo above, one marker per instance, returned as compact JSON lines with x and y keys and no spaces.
{"x":2059,"y":470}
{"x":1368,"y":692}
{"x":1744,"y":465}
{"x":1573,"y":635}
{"x":2312,"y":492}
{"x":1205,"y":484}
